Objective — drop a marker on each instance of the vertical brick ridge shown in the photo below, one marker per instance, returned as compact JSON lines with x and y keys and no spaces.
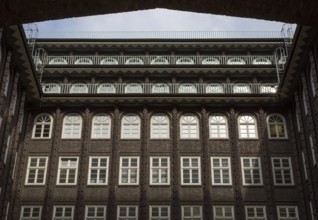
{"x":144,"y":166}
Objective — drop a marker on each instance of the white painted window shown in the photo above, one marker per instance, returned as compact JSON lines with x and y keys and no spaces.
{"x":159,"y":212}
{"x":255,"y":212}
{"x":130,"y":127}
{"x":159,"y":171}
{"x":223,"y":212}
{"x":247,"y":127}
{"x":106,"y":88}
{"x":184,"y":61}
{"x":7,"y":149}
{"x":129,"y":171}
{"x":83,"y":61}
{"x":276,"y":126}
{"x":190,"y":171}
{"x":131,"y":88}
{"x":78,"y":88}
{"x":221,"y":171}
{"x":51,"y":88}
{"x":261,"y":61}
{"x":95,"y":213}
{"x":63,"y":213}
{"x":67,"y":172}
{"x":214,"y":88}
{"x":98,"y":171}
{"x":241,"y":88}
{"x":160,"y":88}
{"x":218,"y":127}
{"x":312,"y":211}
{"x":159,"y":127}
{"x":101,"y":127}
{"x":236,"y":61}
{"x":210,"y":61}
{"x":312,"y":147}
{"x":31,"y":213}
{"x":287,"y":213}
{"x":58,"y":61}
{"x":42,"y":127}
{"x":159,"y":61}
{"x":109,"y":61}
{"x":187,"y":88}
{"x":127,"y":213}
{"x":72,"y":126}
{"x":304,"y":165}
{"x":189,"y":127}
{"x":305,"y":102}
{"x":192,"y":213}
{"x":312,"y":79}
{"x":268,"y":89}
{"x":251,"y":171}
{"x":282,"y":171}
{"x":134,"y":61}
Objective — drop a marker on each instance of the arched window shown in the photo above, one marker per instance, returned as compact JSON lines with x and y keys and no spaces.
{"x":42,"y":127}
{"x":101,"y":126}
{"x":83,"y":61}
{"x":236,"y":61}
{"x":79,"y":88}
{"x":214,"y":88}
{"x":189,"y":127}
{"x":51,"y":88}
{"x":247,"y":127}
{"x":187,"y":88}
{"x":218,"y":127}
{"x":159,"y":61}
{"x":268,"y":89}
{"x":58,"y":61}
{"x":261,"y":61}
{"x":241,"y":88}
{"x":109,"y":61}
{"x":130,"y":127}
{"x":133,"y":88}
{"x":134,"y":61}
{"x":106,"y":88}
{"x":276,"y":126}
{"x":72,"y":126}
{"x":160,"y":88}
{"x":159,"y":127}
{"x":210,"y":61}
{"x":185,"y":61}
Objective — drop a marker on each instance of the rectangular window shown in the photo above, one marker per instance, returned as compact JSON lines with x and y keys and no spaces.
{"x":63,"y":213}
{"x":304,"y":164}
{"x":255,"y":212}
{"x":14,"y":104}
{"x":159,"y":213}
{"x":282,"y":171}
{"x":36,"y":172}
{"x":98,"y":170}
{"x":7,"y":82}
{"x":95,"y":213}
{"x":312,"y":79}
{"x":31,"y":213}
{"x":305,"y":102}
{"x":129,"y":171}
{"x":7,"y":211}
{"x":312,"y":147}
{"x":15,"y":164}
{"x":251,"y":171}
{"x":191,"y":213}
{"x":159,"y":171}
{"x":127,"y":213}
{"x":287,"y":213}
{"x":312,"y":211}
{"x":7,"y":150}
{"x":0,"y":121}
{"x":221,"y":171}
{"x":223,"y":212}
{"x":67,"y":173}
{"x":190,"y":171}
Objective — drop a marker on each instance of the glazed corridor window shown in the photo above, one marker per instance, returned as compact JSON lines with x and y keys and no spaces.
{"x":98,"y":170}
{"x":101,"y":127}
{"x":221,"y":171}
{"x":223,"y":212}
{"x":42,"y":127}
{"x":276,"y":126}
{"x":36,"y":172}
{"x":95,"y":213}
{"x":287,"y":213}
{"x":159,"y":213}
{"x":67,"y":173}
{"x":160,"y":88}
{"x":127,"y":213}
{"x":187,"y":88}
{"x":31,"y":213}
{"x":133,"y":88}
{"x":159,"y":170}
{"x":79,"y":88}
{"x":247,"y":127}
{"x":129,"y":171}
{"x":251,"y":171}
{"x":72,"y":126}
{"x":63,"y":213}
{"x":282,"y":171}
{"x":189,"y":127}
{"x":130,"y":127}
{"x":191,"y":213}
{"x":218,"y":127}
{"x":255,"y":213}
{"x":190,"y":171}
{"x":159,"y":127}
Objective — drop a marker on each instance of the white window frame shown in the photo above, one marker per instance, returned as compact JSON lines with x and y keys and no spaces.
{"x":31,"y":217}
{"x":98,"y":168}
{"x":223,"y":217}
{"x":312,"y":148}
{"x":102,"y":124}
{"x":160,"y":123}
{"x":255,"y":212}
{"x":288,"y":217}
{"x":160,"y":216}
{"x":106,"y":88}
{"x":187,"y":88}
{"x":42,"y":124}
{"x":191,"y":211}
{"x":217,"y":124}
{"x":159,"y":168}
{"x":73,"y":126}
{"x":189,"y":123}
{"x":63,"y":217}
{"x":247,"y":126}
{"x":214,"y":88}
{"x":79,"y":88}
{"x":290,"y":169}
{"x":250,"y":170}
{"x":129,"y":168}
{"x":221,"y":168}
{"x":67,"y":168}
{"x":58,"y":61}
{"x":133,"y":88}
{"x":36,"y":168}
{"x":52,"y":88}
{"x":160,"y":88}
{"x":276,"y":124}
{"x":304,"y":164}
{"x":242,"y":88}
{"x":95,"y":217}
{"x":133,"y":126}
{"x":127,"y":217}
{"x":190,"y":168}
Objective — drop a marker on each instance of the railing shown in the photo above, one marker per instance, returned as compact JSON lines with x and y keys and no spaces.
{"x":111,"y":89}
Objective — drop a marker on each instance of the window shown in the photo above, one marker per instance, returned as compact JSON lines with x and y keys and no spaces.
{"x":312,"y":79}
{"x":218,"y":127}
{"x":261,"y":61}
{"x":297,"y":121}
{"x":282,"y":171}
{"x":63,"y":213}
{"x":72,"y":126}
{"x":305,"y":102}
{"x":287,"y":213}
{"x":67,"y":173}
{"x":221,"y":171}
{"x":98,"y":170}
{"x":36,"y":172}
{"x":159,"y":171}
{"x":51,"y":88}
{"x":304,"y":165}
{"x":312,"y":147}
{"x":106,"y":88}
{"x":241,"y":88}
{"x":190,"y":171}
{"x":31,"y":213}
{"x":312,"y":211}
{"x":223,"y":212}
{"x":251,"y":171}
{"x":15,"y":164}
{"x":210,"y":61}
{"x":83,"y":61}
{"x":187,"y":88}
{"x":101,"y":127}
{"x":214,"y":88}
{"x":134,"y":61}
{"x":7,"y":82}
{"x":7,"y":149}
{"x":236,"y":61}
{"x":129,"y":171}
{"x":247,"y":127}
{"x":191,"y":212}
{"x":160,"y":88}
{"x":159,"y":61}
{"x":95,"y":213}
{"x":42,"y":127}
{"x":268,"y":88}
{"x":189,"y":127}
{"x":255,"y":213}
{"x":130,"y":127}
{"x":159,"y":213}
{"x":159,"y":127}
{"x":184,"y":61}
{"x":7,"y":211}
{"x":127,"y":213}
{"x":14,"y":104}
{"x":109,"y":61}
{"x":133,"y":88}
{"x":276,"y":126}
{"x":58,"y":61}
{"x":79,"y":88}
